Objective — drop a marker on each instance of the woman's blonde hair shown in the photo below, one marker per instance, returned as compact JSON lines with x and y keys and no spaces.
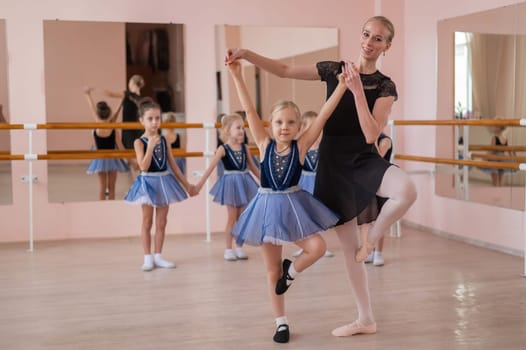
{"x":284,"y":104}
{"x":386,"y":23}
{"x":226,"y":122}
{"x":137,"y":80}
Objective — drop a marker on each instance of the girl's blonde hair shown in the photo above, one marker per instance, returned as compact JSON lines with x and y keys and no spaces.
{"x":306,"y":116}
{"x":284,"y":104}
{"x":226,"y":122}
{"x":169,"y":117}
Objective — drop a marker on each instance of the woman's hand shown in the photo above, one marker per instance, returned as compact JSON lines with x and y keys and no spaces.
{"x":352,"y":77}
{"x":234,"y":55}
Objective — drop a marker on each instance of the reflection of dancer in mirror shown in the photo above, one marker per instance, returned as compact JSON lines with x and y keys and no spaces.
{"x":105,"y":168}
{"x":130,"y":99}
{"x":155,"y":187}
{"x":174,"y":139}
{"x":498,"y":138}
{"x":282,"y":212}
{"x":308,"y":173}
{"x":384,"y":146}
{"x":347,"y":161}
{"x":235,"y":187}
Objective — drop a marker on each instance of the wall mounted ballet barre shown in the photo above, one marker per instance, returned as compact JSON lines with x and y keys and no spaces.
{"x":475,"y":163}
{"x":498,"y":148}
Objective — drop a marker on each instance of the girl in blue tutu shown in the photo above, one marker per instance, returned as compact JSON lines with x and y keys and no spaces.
{"x":155,"y":187}
{"x":105,"y":168}
{"x":235,"y":187}
{"x":282,"y":212}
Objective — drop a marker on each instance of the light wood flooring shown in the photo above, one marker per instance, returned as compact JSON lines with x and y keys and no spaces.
{"x":433,"y":293}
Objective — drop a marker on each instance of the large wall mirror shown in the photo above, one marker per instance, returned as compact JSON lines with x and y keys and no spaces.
{"x":6,"y":192}
{"x":481,"y":65}
{"x":293,"y":45}
{"x":103,"y":56}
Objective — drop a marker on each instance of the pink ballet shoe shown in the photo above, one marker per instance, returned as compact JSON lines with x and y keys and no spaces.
{"x":354,"y":328}
{"x":364,"y":251}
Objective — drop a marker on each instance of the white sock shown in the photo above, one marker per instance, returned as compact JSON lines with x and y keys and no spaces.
{"x":148,"y":259}
{"x":281,"y":320}
{"x":292,"y":271}
{"x":377,"y":254}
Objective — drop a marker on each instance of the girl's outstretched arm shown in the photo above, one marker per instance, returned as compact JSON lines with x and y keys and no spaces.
{"x":220,"y":153}
{"x":254,"y":122}
{"x":91,"y":104}
{"x":312,"y":133}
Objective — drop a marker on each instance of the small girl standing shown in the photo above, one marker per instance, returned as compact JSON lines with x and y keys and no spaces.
{"x":155,"y":187}
{"x":235,"y":187}
{"x":282,"y":212}
{"x":105,"y":168}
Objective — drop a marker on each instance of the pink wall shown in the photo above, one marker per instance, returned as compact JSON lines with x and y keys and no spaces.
{"x":26,"y":83}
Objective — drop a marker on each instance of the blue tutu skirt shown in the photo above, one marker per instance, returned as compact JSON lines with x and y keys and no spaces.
{"x":106,"y":165}
{"x":181,"y":163}
{"x":157,"y":189}
{"x":280,"y":217}
{"x":307,"y":180}
{"x":234,"y":188}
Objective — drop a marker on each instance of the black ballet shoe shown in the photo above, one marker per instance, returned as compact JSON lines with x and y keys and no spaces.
{"x":282,"y":334}
{"x":281,"y":284}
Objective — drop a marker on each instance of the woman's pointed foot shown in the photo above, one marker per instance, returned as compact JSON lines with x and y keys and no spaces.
{"x":354,"y":328}
{"x":364,"y":251}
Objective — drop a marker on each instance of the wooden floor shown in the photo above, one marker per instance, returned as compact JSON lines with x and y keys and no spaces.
{"x":433,"y":293}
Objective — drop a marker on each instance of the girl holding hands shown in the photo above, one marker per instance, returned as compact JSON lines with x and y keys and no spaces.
{"x":155,"y":187}
{"x":235,"y":187}
{"x":282,"y":212}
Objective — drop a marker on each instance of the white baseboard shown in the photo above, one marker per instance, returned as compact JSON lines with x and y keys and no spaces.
{"x":475,"y":242}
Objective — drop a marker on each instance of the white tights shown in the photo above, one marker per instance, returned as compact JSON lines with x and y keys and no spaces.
{"x":398,"y":187}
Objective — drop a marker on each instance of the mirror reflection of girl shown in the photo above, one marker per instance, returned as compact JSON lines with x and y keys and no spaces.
{"x":499,"y":138}
{"x":282,"y":212}
{"x":105,"y":168}
{"x":156,"y":187}
{"x":308,"y":173}
{"x":174,"y":139}
{"x":235,"y":187}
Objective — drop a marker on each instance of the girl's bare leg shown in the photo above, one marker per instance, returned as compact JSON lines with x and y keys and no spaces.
{"x":161,"y":219}
{"x":112,"y":180}
{"x":102,"y":185}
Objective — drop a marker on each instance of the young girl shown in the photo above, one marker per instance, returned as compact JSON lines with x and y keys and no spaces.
{"x":106,"y":168}
{"x":174,"y":139}
{"x":308,"y":172}
{"x":236,"y":187}
{"x":282,"y":212}
{"x":155,"y":187}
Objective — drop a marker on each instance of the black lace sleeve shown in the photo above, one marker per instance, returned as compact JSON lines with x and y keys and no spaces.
{"x":388,"y":88}
{"x":327,"y":69}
